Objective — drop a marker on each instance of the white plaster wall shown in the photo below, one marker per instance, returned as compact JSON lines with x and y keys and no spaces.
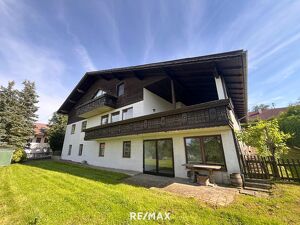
{"x":153,"y":101}
{"x":236,"y":123}
{"x":114,"y":149}
{"x":220,"y":89}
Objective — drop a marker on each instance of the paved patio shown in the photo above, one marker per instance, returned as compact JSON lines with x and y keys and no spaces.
{"x":216,"y":196}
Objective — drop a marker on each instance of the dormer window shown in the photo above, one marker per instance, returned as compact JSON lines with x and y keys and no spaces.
{"x":99,"y":93}
{"x":120,"y":89}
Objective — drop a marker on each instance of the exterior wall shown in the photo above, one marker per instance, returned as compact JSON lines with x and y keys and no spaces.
{"x":153,"y":103}
{"x":114,"y":148}
{"x":220,"y":88}
{"x":35,"y":137}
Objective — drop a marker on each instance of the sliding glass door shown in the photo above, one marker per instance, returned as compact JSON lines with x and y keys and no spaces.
{"x":158,"y":157}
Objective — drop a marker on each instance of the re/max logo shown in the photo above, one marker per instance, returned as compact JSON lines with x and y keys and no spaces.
{"x":150,"y":216}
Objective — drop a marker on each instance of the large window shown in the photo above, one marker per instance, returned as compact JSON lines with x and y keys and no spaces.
{"x":101,"y":149}
{"x":120,"y":89}
{"x":126,"y":149}
{"x":205,"y":150}
{"x":70,"y":149}
{"x":99,"y":93}
{"x":80,"y":149}
{"x":83,"y":125}
{"x":38,"y":140}
{"x":127,"y":113}
{"x":73,"y":128}
{"x":104,"y":119}
{"x":115,"y":117}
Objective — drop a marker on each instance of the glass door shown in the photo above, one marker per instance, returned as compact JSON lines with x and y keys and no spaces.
{"x":150,"y":157}
{"x":165,"y":157}
{"x":158,"y":157}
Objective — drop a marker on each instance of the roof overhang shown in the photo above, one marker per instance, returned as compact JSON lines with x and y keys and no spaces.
{"x":232,"y":66}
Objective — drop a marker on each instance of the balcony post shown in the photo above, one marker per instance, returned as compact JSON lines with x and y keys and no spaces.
{"x":173,"y":94}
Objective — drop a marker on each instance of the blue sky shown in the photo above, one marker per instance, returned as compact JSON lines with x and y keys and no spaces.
{"x":55,"y":42}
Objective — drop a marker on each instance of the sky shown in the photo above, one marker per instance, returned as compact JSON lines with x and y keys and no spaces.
{"x":55,"y":42}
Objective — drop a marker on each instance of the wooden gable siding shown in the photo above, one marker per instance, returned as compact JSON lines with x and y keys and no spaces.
{"x":133,"y":92}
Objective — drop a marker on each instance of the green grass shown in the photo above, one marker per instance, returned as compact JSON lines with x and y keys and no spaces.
{"x":292,"y":154}
{"x":59,"y":193}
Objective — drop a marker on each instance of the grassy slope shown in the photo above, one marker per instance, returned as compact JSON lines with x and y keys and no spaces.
{"x":59,"y":193}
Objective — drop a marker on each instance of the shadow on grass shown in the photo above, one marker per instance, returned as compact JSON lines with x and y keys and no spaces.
{"x":103,"y":176}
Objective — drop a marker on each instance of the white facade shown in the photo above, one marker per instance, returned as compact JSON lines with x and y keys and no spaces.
{"x":152,"y":103}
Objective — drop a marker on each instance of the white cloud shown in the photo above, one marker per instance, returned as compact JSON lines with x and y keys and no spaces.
{"x":21,"y":59}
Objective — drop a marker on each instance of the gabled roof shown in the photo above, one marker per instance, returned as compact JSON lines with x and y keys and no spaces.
{"x":231,"y":65}
{"x":266,"y":114}
{"x":40,"y":128}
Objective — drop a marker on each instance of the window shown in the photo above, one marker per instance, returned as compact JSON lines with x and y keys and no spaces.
{"x":38,"y":140}
{"x":83,"y":125}
{"x":73,"y":128}
{"x":115,"y":117}
{"x":101,"y":149}
{"x":80,"y":149}
{"x":99,"y":93}
{"x":120,"y":89}
{"x":70,"y":149}
{"x":104,"y":119}
{"x":126,"y":149}
{"x":127,"y":113}
{"x":205,"y":150}
{"x":45,"y":140}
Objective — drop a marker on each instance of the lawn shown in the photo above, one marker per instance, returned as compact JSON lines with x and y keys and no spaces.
{"x":48,"y":192}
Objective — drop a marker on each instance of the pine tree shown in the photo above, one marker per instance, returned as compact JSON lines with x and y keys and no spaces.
{"x":28,"y":100}
{"x":17,"y":114}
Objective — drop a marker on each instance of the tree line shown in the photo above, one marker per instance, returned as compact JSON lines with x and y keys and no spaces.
{"x":18,"y":114}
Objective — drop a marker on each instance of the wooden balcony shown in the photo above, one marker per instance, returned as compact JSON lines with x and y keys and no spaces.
{"x":96,"y":106}
{"x":210,"y":114}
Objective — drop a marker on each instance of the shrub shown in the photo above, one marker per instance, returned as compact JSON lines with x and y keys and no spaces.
{"x":19,"y":156}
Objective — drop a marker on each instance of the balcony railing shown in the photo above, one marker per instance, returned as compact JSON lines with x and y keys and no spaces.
{"x":96,"y":106}
{"x":208,"y":114}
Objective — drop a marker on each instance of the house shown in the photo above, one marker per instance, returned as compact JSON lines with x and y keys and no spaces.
{"x":39,"y":142}
{"x":266,"y":114}
{"x":156,"y":117}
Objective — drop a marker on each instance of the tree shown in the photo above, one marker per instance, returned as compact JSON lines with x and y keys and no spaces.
{"x":16,"y":121}
{"x":267,"y":138}
{"x":289,"y":122}
{"x":256,"y":108}
{"x":28,"y":100}
{"x":56,"y":132}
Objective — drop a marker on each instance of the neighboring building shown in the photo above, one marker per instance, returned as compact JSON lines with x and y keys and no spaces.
{"x":265,"y":114}
{"x":39,"y":142}
{"x":154,"y":118}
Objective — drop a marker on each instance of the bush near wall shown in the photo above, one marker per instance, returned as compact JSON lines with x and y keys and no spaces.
{"x":19,"y":155}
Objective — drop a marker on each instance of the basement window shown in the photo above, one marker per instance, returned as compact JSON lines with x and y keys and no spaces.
{"x":126,"y":149}
{"x":101,"y":149}
{"x":70,"y":150}
{"x":80,"y":149}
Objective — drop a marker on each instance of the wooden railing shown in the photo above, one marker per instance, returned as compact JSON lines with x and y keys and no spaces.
{"x":208,"y":114}
{"x":104,"y":100}
{"x":268,"y":167}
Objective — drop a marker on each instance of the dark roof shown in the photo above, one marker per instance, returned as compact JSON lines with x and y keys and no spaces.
{"x":266,"y":114}
{"x":231,"y":65}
